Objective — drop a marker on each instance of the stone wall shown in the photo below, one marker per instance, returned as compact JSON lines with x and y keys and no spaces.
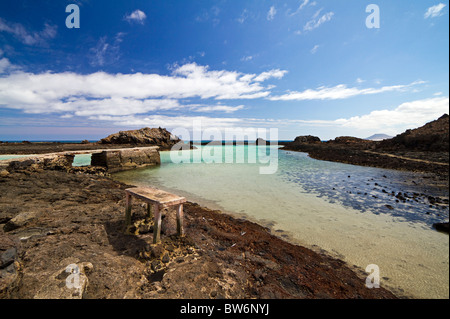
{"x":102,"y":161}
{"x":58,"y":162}
{"x":125,"y":159}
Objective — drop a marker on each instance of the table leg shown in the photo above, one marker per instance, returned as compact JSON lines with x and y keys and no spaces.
{"x":149,"y":211}
{"x":180,"y":220}
{"x":157,"y":224}
{"x":127,"y":210}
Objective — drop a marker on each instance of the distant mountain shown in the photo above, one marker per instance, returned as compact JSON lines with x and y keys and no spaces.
{"x":378,"y":137}
{"x":433,"y":136}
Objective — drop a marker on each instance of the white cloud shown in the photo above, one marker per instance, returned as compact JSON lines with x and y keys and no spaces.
{"x":338,"y":92}
{"x":434,"y":11}
{"x":106,"y":52}
{"x":407,"y":115}
{"x":244,"y":16}
{"x":27,"y":37}
{"x":315,"y":23}
{"x":5,"y":65}
{"x":216,"y":108}
{"x":247,"y":58}
{"x":302,"y":5}
{"x":276,"y":73}
{"x":314,"y":49}
{"x":209,"y":15}
{"x":171,"y":121}
{"x":136,"y":16}
{"x":271,"y":14}
{"x":102,"y":93}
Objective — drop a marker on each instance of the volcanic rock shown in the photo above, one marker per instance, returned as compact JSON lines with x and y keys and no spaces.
{"x":433,"y":136}
{"x":307,"y":139}
{"x":145,"y":136}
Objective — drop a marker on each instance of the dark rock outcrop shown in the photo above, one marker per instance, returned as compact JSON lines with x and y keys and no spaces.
{"x":442,"y":227}
{"x":307,"y":139}
{"x":57,"y":162}
{"x":10,"y":274}
{"x":424,"y":149}
{"x":145,"y":136}
{"x":261,"y":141}
{"x":352,"y":141}
{"x":433,"y":137}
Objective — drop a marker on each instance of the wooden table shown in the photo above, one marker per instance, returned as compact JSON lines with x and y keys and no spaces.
{"x":157,"y":199}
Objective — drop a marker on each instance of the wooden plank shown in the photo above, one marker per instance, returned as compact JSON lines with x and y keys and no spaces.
{"x":149,"y":210}
{"x":180,"y":220}
{"x":127,"y":210}
{"x":157,"y":224}
{"x":154,"y":196}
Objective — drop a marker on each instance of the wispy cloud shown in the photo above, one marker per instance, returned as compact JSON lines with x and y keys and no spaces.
{"x":434,"y":11}
{"x":29,"y":37}
{"x":338,"y":92}
{"x":276,"y":73}
{"x":211,"y":14}
{"x":244,"y":16}
{"x":180,"y":121}
{"x":316,"y":22}
{"x":271,"y":14}
{"x":105,"y":52}
{"x":136,"y":16}
{"x":216,"y":108}
{"x":314,"y":49}
{"x":5,"y":65}
{"x":300,"y":7}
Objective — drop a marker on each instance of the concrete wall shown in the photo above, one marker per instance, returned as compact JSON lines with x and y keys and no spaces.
{"x":108,"y":161}
{"x":125,"y":159}
{"x":59,"y":162}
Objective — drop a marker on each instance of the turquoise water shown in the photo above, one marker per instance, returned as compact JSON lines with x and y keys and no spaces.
{"x":322,"y":205}
{"x":8,"y":157}
{"x":79,"y":160}
{"x":82,"y":160}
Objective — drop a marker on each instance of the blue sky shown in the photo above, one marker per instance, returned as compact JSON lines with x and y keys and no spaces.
{"x":302,"y":66}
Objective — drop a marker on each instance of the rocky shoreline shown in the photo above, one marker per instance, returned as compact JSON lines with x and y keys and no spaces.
{"x":424,"y":149}
{"x":54,"y":219}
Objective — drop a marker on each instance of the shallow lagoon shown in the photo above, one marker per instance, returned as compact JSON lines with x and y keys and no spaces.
{"x":348,"y":211}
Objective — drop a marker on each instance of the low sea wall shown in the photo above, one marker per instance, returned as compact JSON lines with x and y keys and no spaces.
{"x":125,"y":159}
{"x":111,"y":160}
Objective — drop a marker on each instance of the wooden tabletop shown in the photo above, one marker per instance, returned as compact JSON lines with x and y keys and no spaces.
{"x":154,"y":195}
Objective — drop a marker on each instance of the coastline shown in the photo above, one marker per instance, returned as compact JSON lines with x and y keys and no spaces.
{"x":78,"y":218}
{"x":412,"y":161}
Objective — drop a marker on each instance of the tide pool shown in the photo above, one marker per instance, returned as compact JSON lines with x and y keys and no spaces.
{"x":348,"y":211}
